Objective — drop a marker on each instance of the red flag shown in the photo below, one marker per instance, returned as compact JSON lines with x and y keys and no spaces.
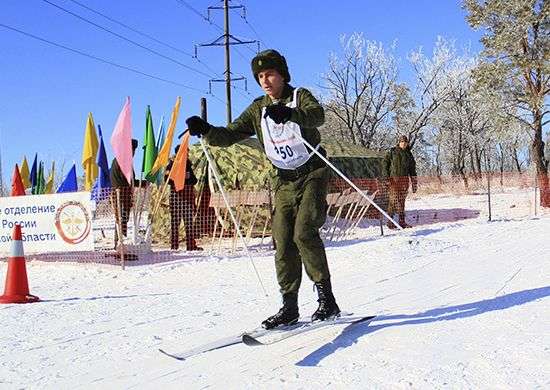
{"x":177,"y":173}
{"x":17,"y":186}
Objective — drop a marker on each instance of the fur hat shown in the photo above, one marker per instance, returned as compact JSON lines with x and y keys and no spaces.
{"x":403,"y":138}
{"x":270,"y":59}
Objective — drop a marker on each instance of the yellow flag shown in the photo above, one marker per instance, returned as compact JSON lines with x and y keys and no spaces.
{"x":25,"y":173}
{"x":89,"y":154}
{"x":48,"y":189}
{"x":164,"y":153}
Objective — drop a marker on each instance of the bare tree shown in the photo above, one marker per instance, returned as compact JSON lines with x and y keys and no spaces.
{"x":433,"y":87}
{"x":360,"y":86}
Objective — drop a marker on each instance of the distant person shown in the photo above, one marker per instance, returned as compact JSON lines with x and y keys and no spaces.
{"x":399,"y":168}
{"x":125,"y":194}
{"x":182,"y":206}
{"x":302,"y":180}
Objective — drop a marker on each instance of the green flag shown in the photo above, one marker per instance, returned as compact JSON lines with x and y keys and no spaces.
{"x":40,"y":181}
{"x":149,"y":147}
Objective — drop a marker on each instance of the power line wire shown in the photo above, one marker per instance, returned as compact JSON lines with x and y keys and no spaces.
{"x":185,"y":4}
{"x":103,"y":60}
{"x":127,"y":39}
{"x":194,"y":10}
{"x":132,"y":28}
{"x":206,"y":19}
{"x":143,"y":34}
{"x":253,"y":30}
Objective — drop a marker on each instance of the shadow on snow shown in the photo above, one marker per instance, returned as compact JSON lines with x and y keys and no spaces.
{"x":351,"y":334}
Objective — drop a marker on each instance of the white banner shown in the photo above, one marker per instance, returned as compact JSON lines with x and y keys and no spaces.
{"x":49,"y":223}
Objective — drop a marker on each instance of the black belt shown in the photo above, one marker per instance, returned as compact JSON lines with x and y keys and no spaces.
{"x":312,"y":164}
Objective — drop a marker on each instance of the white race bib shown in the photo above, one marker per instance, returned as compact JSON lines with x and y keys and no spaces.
{"x":282,"y":147}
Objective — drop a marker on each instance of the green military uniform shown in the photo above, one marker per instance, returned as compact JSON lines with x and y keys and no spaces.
{"x":300,"y":194}
{"x":399,"y":167}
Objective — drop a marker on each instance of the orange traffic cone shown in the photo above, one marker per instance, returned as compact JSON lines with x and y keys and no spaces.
{"x":17,"y":285}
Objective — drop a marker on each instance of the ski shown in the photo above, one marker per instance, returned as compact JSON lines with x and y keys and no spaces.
{"x":273,"y":337}
{"x":217,"y":344}
{"x":224,"y":342}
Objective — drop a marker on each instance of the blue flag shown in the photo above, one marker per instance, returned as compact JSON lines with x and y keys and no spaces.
{"x":161,"y":136}
{"x":103,"y":181}
{"x":69,"y":184}
{"x":33,"y":178}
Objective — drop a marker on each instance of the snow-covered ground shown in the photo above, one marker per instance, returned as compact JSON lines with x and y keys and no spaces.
{"x":460,"y":304}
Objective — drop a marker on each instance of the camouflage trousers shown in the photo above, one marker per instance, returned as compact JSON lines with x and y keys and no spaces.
{"x":399,"y":188}
{"x":122,"y":209}
{"x":300,"y":211}
{"x":182,"y":206}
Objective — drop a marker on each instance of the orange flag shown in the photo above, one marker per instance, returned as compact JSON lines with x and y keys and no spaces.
{"x":17,"y":186}
{"x":177,"y":173}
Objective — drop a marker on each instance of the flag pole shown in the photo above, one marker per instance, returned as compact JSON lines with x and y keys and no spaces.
{"x":157,"y":206}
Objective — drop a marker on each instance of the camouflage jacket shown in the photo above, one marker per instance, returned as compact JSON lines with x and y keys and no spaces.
{"x":308,"y":114}
{"x":118,"y":180}
{"x":399,"y":162}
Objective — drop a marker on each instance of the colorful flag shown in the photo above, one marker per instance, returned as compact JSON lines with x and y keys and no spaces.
{"x":89,"y":153}
{"x":41,"y":181}
{"x":34,"y":174}
{"x":177,"y":173}
{"x":103,"y":181}
{"x":121,"y":141}
{"x":149,"y":148}
{"x":24,"y":173}
{"x":69,"y":184}
{"x":160,"y":141}
{"x":164,"y":153}
{"x":48,"y":189}
{"x":38,"y":187}
{"x":17,"y":186}
{"x":103,"y":163}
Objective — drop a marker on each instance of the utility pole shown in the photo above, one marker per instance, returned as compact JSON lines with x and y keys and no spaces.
{"x":227,"y":40}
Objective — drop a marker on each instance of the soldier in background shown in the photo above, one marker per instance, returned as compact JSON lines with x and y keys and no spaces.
{"x":399,"y":168}
{"x":120,"y":184}
{"x":182,"y":206}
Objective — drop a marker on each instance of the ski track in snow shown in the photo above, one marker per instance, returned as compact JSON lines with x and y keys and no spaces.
{"x":459,"y":305}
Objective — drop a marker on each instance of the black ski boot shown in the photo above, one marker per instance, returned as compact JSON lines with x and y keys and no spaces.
{"x":327,"y":304}
{"x":287,"y":315}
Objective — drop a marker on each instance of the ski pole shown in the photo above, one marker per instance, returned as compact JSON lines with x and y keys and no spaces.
{"x":299,"y":136}
{"x":216,"y":177}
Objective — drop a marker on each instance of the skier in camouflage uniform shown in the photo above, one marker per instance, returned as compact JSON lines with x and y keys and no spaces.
{"x":399,"y":167}
{"x":301,"y":184}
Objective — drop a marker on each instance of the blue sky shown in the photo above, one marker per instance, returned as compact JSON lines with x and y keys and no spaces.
{"x":46,"y":92}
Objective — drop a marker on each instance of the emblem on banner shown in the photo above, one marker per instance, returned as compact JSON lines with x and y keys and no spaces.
{"x":72,"y":222}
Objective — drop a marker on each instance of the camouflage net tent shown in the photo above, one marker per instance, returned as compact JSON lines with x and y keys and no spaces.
{"x":246,"y":175}
{"x":355,"y":161}
{"x":244,"y":165}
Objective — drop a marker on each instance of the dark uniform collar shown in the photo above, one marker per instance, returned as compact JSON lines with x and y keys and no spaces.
{"x":286,"y":96}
